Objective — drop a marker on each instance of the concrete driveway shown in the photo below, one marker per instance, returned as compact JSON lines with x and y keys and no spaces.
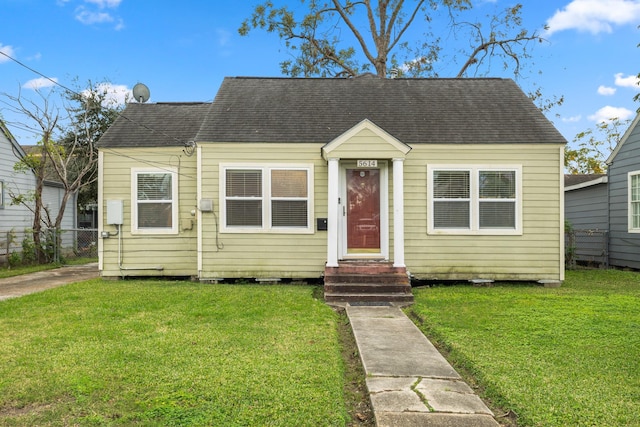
{"x":13,"y":287}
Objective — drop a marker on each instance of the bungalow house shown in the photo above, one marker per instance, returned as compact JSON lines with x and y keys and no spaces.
{"x":349,"y":180}
{"x":610,"y":204}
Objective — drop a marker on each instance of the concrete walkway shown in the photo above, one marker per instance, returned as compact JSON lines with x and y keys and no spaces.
{"x":409,"y":382}
{"x":16,"y":286}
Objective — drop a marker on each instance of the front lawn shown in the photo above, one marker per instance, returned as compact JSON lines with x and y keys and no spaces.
{"x":567,"y":356}
{"x":170,"y":353}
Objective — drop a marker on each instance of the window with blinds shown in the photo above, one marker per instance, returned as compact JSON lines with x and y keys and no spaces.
{"x":267,"y":198}
{"x":289,"y":198}
{"x":473,"y":199}
{"x":451,"y":199}
{"x":497,"y":199}
{"x":155,"y":199}
{"x":244,"y":198}
{"x":634,"y":201}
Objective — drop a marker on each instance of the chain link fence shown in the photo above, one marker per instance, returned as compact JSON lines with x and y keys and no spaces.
{"x":24,"y":247}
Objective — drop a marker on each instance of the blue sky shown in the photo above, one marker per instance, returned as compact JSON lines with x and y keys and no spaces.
{"x":183,"y":50}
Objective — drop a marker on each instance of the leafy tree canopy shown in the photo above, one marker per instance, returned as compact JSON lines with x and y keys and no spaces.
{"x":594,"y":147}
{"x":345,"y":38}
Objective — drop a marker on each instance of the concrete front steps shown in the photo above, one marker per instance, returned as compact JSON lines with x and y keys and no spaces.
{"x":367,"y":282}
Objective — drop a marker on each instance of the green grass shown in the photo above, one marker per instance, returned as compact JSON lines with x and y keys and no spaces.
{"x":149,"y":353}
{"x":567,"y":356}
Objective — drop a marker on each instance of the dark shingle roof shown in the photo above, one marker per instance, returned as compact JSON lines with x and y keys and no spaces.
{"x":155,"y":125}
{"x":575,"y":179}
{"x":319,"y":110}
{"x":412,"y":110}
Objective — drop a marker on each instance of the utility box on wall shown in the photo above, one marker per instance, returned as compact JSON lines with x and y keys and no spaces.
{"x":114,"y":212}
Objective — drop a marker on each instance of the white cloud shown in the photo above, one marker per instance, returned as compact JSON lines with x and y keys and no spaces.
{"x":631,"y":81}
{"x":7,"y":50}
{"x":102,"y":4}
{"x":93,"y":12}
{"x":606,"y":90}
{"x":605,"y":114}
{"x":115,"y":94}
{"x":594,"y":16}
{"x":40,"y":83}
{"x":89,"y":17}
{"x":572,"y":119}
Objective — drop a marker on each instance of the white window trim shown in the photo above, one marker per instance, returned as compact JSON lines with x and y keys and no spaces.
{"x":630,"y":228}
{"x":266,"y":198}
{"x":134,"y":201}
{"x":474,"y":228}
{"x":1,"y":194}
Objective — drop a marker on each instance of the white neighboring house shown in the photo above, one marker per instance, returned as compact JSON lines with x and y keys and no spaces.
{"x":18,"y":217}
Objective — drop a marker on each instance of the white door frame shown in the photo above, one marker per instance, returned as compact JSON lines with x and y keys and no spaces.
{"x":384,"y":212}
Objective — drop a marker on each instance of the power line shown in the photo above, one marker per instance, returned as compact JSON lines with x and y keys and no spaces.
{"x":39,"y":73}
{"x":187,"y":144}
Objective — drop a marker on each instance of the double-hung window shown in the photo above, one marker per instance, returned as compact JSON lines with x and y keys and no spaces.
{"x":474,"y":200}
{"x":634,"y":202}
{"x":267,"y":198}
{"x":154,"y":201}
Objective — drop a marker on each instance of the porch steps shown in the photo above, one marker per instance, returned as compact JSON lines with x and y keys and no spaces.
{"x":367,"y":282}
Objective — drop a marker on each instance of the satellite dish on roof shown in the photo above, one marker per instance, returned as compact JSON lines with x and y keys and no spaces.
{"x":141,"y":93}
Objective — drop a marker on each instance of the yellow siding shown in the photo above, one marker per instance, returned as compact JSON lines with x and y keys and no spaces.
{"x":366,"y":145}
{"x":262,"y":255}
{"x":534,"y":255}
{"x":175,"y":253}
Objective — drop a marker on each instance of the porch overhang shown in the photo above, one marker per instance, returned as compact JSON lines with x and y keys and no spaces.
{"x":365,"y":140}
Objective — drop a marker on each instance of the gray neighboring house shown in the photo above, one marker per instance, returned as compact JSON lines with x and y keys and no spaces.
{"x":587,"y":210}
{"x":18,"y":217}
{"x":611,"y":202}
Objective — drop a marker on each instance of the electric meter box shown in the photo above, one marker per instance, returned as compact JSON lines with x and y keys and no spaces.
{"x":114,"y":212}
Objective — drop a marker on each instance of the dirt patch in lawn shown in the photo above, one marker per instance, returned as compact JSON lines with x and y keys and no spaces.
{"x":355,"y":389}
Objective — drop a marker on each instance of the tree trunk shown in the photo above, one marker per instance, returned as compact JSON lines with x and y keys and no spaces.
{"x":40,"y":256}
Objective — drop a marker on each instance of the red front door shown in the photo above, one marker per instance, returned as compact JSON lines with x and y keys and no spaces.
{"x":363,"y":211}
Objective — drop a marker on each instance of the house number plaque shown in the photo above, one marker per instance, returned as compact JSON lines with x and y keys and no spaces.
{"x":367,"y":163}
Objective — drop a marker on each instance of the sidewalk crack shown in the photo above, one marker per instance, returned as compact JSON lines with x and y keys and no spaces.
{"x":423,"y":399}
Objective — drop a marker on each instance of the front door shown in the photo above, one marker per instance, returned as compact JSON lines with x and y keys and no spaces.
{"x":362,"y":211}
